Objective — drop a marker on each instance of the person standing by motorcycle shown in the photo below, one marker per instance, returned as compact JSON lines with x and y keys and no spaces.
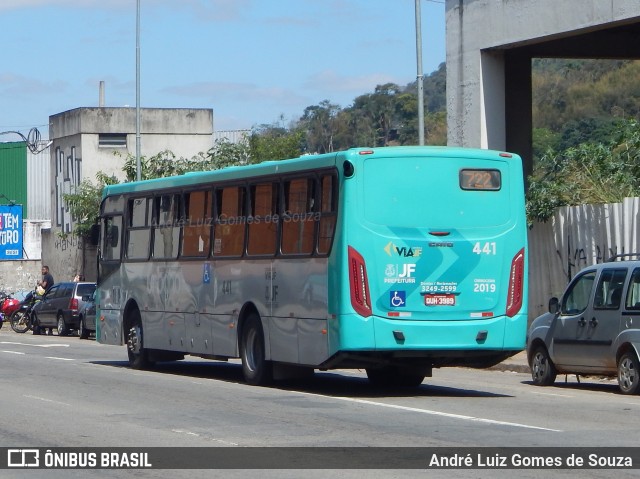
{"x":46,"y":282}
{"x":47,"y":279}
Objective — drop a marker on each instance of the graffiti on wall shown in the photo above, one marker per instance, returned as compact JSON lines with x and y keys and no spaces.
{"x":67,"y":242}
{"x":582,"y":257}
{"x":68,"y":177}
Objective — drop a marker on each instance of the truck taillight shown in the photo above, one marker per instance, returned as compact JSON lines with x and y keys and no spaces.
{"x":73,"y":304}
{"x":359,"y":284}
{"x":516,"y":284}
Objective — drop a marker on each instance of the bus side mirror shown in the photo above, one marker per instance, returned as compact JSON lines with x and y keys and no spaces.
{"x":554,"y":305}
{"x":94,"y":235}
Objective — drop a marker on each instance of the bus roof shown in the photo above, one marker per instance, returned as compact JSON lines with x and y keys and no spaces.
{"x":302,"y":163}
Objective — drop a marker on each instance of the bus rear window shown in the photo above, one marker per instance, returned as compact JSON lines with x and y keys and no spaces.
{"x":477,"y":179}
{"x":410,"y":192}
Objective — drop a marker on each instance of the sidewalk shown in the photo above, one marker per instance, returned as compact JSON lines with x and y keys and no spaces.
{"x":517,"y":363}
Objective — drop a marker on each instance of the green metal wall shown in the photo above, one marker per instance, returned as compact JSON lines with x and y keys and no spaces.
{"x":13,"y":174}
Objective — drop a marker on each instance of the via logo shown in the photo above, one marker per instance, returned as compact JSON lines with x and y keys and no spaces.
{"x":404,"y":251}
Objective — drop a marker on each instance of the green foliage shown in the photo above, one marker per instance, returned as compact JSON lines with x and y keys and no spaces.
{"x":222,"y":154}
{"x":589,"y":173}
{"x":388,"y":116}
{"x":274,"y":143}
{"x":84,"y":203}
{"x":586,"y":144}
{"x":566,"y":91}
{"x":544,"y":140}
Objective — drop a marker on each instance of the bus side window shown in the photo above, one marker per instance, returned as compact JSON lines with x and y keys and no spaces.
{"x":111,"y":243}
{"x":263,"y":228}
{"x":298,"y":218}
{"x":196,"y":232}
{"x":138,"y":228}
{"x":328,"y":207}
{"x":166,"y":232}
{"x":228,"y":235}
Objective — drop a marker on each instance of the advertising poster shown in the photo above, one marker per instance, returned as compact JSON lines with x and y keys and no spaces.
{"x":10,"y":232}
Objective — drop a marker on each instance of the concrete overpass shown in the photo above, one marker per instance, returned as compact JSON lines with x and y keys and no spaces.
{"x":490,"y":45}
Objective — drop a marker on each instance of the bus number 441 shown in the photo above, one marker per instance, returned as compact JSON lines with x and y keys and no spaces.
{"x":486,"y":248}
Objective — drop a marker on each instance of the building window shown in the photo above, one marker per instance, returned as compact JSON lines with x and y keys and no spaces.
{"x":112,"y":140}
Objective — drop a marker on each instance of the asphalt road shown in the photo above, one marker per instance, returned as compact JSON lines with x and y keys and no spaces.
{"x":66,"y":392}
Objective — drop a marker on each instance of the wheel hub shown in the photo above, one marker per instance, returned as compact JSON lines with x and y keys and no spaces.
{"x":134,"y":342}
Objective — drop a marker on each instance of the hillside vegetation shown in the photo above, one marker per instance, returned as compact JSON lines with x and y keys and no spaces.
{"x":586,"y":137}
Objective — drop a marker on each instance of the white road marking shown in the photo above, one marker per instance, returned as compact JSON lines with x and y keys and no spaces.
{"x":47,"y":400}
{"x":13,"y":352}
{"x":430,"y":412}
{"x":195,"y":434}
{"x":55,"y":345}
{"x":61,"y":359}
{"x":553,"y":394}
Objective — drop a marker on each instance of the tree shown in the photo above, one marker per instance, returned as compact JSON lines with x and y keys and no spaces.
{"x":587,"y":173}
{"x":271,"y":142}
{"x":163,"y":164}
{"x":84,"y":203}
{"x":321,"y":125}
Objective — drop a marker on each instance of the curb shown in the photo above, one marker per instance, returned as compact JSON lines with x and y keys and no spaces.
{"x":511,"y":367}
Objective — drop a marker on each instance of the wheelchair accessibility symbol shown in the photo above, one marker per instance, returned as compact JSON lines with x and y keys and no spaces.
{"x":397,"y":299}
{"x":206,"y":273}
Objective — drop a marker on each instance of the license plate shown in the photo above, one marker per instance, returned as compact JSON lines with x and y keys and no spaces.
{"x":440,"y":300}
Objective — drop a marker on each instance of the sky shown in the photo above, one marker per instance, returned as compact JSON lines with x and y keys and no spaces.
{"x":252,"y":61}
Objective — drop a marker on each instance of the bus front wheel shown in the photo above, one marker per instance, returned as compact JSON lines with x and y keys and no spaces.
{"x":256,"y":370}
{"x":138,"y":355}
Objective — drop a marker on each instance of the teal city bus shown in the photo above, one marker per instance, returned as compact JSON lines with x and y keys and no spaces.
{"x":393,"y":260}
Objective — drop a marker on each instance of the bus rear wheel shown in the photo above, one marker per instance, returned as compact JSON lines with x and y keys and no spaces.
{"x":392,"y":376}
{"x":256,"y":370}
{"x":138,"y":355}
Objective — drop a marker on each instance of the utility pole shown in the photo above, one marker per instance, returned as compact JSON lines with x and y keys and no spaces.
{"x":419,"y":77}
{"x":138,"y":167}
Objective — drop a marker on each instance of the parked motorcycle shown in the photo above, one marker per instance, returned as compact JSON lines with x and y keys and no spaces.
{"x":22,"y":318}
{"x":8,"y":304}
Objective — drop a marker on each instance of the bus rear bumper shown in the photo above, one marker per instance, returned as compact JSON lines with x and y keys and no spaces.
{"x":481,"y":343}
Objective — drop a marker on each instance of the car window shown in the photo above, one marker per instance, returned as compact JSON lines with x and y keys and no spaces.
{"x":85,"y":289}
{"x":609,"y":289}
{"x":576,"y":299}
{"x":633,"y":293}
{"x":51,"y":292}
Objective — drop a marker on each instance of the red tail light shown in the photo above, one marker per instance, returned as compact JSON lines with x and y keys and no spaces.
{"x":516,"y":284}
{"x":73,"y":304}
{"x":359,"y":284}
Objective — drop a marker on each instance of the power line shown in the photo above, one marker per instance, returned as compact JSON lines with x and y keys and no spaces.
{"x":32,"y":140}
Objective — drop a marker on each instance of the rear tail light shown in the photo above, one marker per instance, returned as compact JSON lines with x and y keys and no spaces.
{"x":359,"y":284}
{"x":516,"y":284}
{"x":73,"y":304}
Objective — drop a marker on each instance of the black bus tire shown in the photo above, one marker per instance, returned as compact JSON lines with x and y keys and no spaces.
{"x":256,"y":370}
